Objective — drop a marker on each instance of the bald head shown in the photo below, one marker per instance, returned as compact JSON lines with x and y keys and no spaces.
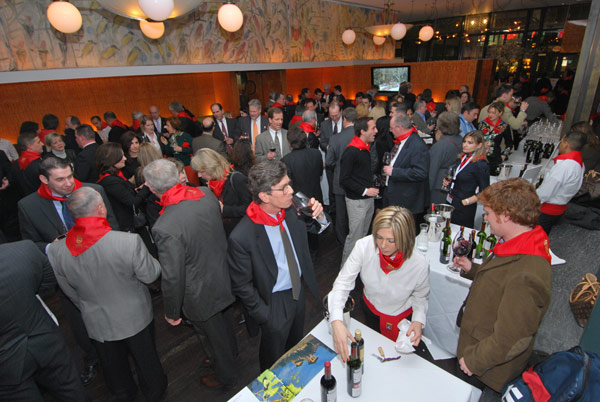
{"x":208,"y":125}
{"x":154,"y":112}
{"x":86,"y":202}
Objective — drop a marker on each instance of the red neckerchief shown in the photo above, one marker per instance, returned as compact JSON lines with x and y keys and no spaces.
{"x":43,"y":133}
{"x":510,"y":108}
{"x":103,"y":125}
{"x":295,"y":119}
{"x":217,"y":185}
{"x":118,"y":123}
{"x":543,"y":98}
{"x":494,"y":126}
{"x":388,"y":264}
{"x":136,"y":125}
{"x":358,"y":143}
{"x":532,"y":242}
{"x":187,"y":116}
{"x":574,"y":155}
{"x":544,"y":90}
{"x":260,"y":217}
{"x":307,"y":128}
{"x":27,"y":157}
{"x":119,"y":174}
{"x":179,"y":193}
{"x":400,"y":138}
{"x":86,"y":232}
{"x":277,"y":104}
{"x":431,"y":106}
{"x":44,"y":191}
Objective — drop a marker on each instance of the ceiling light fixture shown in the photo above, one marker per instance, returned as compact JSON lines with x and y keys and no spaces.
{"x":230,"y":17}
{"x":397,"y":31}
{"x":151,"y":29}
{"x":64,"y":16}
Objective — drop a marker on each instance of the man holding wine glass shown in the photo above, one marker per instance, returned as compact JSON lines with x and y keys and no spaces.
{"x":510,"y":292}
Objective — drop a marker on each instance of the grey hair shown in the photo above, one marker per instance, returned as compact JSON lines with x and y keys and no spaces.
{"x":175,"y":107}
{"x":309,"y":115}
{"x":256,"y":103}
{"x":263,"y":176}
{"x":419,"y":104}
{"x":350,"y":114}
{"x":161,"y":175}
{"x":84,"y":202}
{"x":137,"y":115}
{"x":402,"y":119}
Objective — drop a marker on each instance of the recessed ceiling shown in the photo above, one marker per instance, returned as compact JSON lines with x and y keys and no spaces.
{"x":420,"y":10}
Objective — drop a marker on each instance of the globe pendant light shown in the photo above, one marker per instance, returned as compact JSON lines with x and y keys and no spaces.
{"x":64,"y":16}
{"x":349,"y":36}
{"x":230,"y":17}
{"x":398,"y":31}
{"x":158,"y":10}
{"x":378,"y":40}
{"x":426,"y":33}
{"x":152,"y":30}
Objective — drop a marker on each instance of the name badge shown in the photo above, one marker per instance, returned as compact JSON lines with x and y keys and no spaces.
{"x":449,"y":198}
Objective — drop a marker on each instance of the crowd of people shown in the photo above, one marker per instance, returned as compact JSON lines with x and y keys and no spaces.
{"x":106,"y":210}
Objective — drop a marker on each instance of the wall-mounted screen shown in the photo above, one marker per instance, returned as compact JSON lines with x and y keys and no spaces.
{"x":389,"y":78}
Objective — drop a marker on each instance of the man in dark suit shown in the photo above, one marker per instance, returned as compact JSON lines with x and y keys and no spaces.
{"x":255,"y":123}
{"x":158,"y":120}
{"x":33,"y":352}
{"x":268,"y":258}
{"x":26,"y":168}
{"x":195,"y":278}
{"x":117,"y":127}
{"x":85,"y":163}
{"x":408,"y":172}
{"x":206,"y":140}
{"x":187,"y":120}
{"x":226,"y":129}
{"x":42,"y":219}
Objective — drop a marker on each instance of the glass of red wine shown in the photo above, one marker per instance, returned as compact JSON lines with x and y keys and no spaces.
{"x":300,"y":202}
{"x":461,"y":247}
{"x":378,"y":182}
{"x":449,"y":176}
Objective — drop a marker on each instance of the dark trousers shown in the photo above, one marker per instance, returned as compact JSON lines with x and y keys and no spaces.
{"x":341,"y":218}
{"x":547,"y":221}
{"x":50,"y":368}
{"x":217,"y":336}
{"x":114,"y":357}
{"x":329,"y":175}
{"x":284,"y":329}
{"x":73,"y":316}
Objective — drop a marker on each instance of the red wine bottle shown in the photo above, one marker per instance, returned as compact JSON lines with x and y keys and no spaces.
{"x":354,"y":372}
{"x":361,"y":348}
{"x":328,"y":385}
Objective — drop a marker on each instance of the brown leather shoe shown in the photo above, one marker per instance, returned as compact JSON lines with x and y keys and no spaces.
{"x":211,"y":381}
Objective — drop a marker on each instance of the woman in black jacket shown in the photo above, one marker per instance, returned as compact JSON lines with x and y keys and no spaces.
{"x":130,"y":143}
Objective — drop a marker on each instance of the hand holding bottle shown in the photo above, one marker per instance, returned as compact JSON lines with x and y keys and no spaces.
{"x":340,"y":335}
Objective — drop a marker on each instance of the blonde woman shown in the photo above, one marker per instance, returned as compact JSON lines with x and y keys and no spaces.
{"x":396,"y":281}
{"x":228,"y":185}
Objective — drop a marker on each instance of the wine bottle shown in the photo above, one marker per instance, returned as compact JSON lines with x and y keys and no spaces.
{"x":354,"y":372}
{"x":328,"y":385}
{"x":540,"y":181}
{"x":491,"y":242}
{"x":537,"y":156}
{"x":446,"y":244}
{"x":361,"y":348}
{"x":523,"y":170}
{"x":482,"y":236}
{"x":529,"y":154}
{"x":473,"y":244}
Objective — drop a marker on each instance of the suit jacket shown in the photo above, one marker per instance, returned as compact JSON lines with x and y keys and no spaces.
{"x":39,"y":221}
{"x":233,"y":130}
{"x":163,"y":147}
{"x":25,"y":326}
{"x":195,"y":278}
{"x":105,"y":283}
{"x":188,"y":125}
{"x":163,"y":122}
{"x":122,"y":197}
{"x":304,"y":168}
{"x":85,"y":164}
{"x":505,"y":306}
{"x":264,"y":142}
{"x":115,"y":133}
{"x":235,"y":197}
{"x":421,"y":124}
{"x":206,"y":140}
{"x":246,"y":126}
{"x":326,"y":133}
{"x":408,"y":185}
{"x":253,"y":266}
{"x":337,"y":146}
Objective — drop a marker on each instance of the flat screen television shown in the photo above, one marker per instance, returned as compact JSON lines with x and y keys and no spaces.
{"x":389,"y":78}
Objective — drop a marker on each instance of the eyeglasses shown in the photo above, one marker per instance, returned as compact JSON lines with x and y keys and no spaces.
{"x":285,"y":188}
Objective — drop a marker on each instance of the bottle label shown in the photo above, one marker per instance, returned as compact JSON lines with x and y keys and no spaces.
{"x":356,"y":382}
{"x":331,"y":395}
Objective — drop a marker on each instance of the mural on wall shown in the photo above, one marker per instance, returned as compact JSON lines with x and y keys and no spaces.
{"x":273,"y":32}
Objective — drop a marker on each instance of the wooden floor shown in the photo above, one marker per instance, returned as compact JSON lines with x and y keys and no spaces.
{"x":181,"y":353}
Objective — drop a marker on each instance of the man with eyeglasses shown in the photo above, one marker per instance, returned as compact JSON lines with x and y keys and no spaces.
{"x":269,"y":260}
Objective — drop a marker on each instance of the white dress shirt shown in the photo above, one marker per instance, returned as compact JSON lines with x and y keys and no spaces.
{"x":278,"y":134}
{"x":562,"y":182}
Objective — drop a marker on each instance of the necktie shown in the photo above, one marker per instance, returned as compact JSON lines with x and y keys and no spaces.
{"x":157,"y":125}
{"x":224,"y":129}
{"x":335,"y":130}
{"x":254,"y":132}
{"x":277,"y":144}
{"x":291,"y":260}
{"x":68,"y":218}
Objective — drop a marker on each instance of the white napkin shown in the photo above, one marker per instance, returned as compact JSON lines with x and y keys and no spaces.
{"x":403,"y":344}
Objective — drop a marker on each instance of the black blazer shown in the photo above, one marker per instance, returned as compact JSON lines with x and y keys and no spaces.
{"x":245,"y":124}
{"x":253,"y":268}
{"x":236,"y":198}
{"x":123,"y":197}
{"x":85,"y":164}
{"x":408,"y":186}
{"x":39,"y":221}
{"x":233,"y":130}
{"x":25,"y":326}
{"x":304,"y":168}
{"x":115,"y":133}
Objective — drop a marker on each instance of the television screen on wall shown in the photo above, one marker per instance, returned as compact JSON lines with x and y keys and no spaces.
{"x":389,"y":78}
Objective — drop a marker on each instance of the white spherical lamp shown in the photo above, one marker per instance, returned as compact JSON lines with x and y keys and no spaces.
{"x":426,"y":33}
{"x":158,"y":10}
{"x":230,"y":17}
{"x":349,"y":36}
{"x":378,"y":40}
{"x":398,"y":31}
{"x":64,"y":16}
{"x":153,"y":30}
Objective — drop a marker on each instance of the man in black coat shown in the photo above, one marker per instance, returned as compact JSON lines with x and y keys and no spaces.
{"x":117,"y":127}
{"x":33,"y":352}
{"x":85,"y":163}
{"x":269,"y":259}
{"x":226,"y":129}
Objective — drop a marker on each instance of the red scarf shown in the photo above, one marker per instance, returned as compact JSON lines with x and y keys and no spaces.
{"x":187,"y":116}
{"x":119,"y":174}
{"x":389,"y":264}
{"x":544,"y":90}
{"x":44,"y":191}
{"x":27,"y":157}
{"x":494,"y":127}
{"x":295,"y":119}
{"x":43,"y":133}
{"x":400,"y":138}
{"x":277,"y":104}
{"x":117,"y":123}
{"x":260,"y":217}
{"x":86,"y":232}
{"x":543,"y":98}
{"x":103,"y":125}
{"x":358,"y":143}
{"x":574,"y":155}
{"x":307,"y":128}
{"x":136,"y":125}
{"x":431,"y":106}
{"x":511,"y":109}
{"x":532,"y":242}
{"x":217,"y":185}
{"x":179,"y":193}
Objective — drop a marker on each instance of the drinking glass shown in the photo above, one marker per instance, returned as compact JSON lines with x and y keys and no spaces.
{"x":300,"y":202}
{"x":386,"y":160}
{"x":450,"y":177}
{"x":378,"y":182}
{"x":461,"y":247}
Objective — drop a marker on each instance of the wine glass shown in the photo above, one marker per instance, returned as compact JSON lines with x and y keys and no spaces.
{"x":461,"y":247}
{"x":378,"y":182}
{"x":300,"y":202}
{"x":386,"y":160}
{"x":449,"y":176}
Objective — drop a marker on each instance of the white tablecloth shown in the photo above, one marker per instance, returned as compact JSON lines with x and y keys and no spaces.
{"x":410,"y":378}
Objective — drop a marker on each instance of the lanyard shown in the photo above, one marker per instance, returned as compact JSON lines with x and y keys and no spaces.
{"x":463,"y":163}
